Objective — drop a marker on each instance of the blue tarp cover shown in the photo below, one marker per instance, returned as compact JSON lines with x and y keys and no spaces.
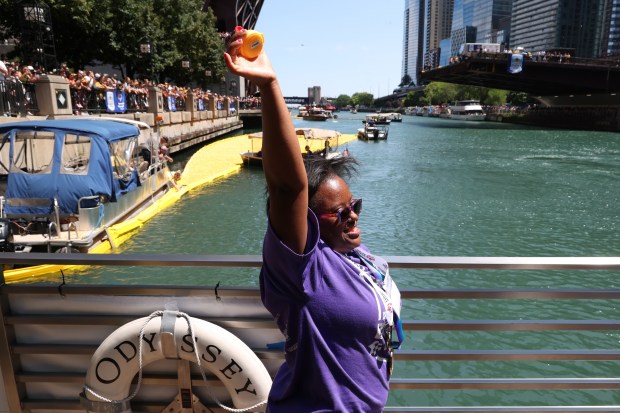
{"x":68,"y":188}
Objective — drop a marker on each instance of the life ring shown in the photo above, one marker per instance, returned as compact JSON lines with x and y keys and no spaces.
{"x":164,"y":334}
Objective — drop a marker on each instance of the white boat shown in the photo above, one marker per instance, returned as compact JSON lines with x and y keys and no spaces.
{"x":319,"y":142}
{"x":64,"y":183}
{"x":373,"y":132}
{"x":394,"y":116}
{"x":316,"y":113}
{"x":377,"y":119}
{"x":467,"y":110}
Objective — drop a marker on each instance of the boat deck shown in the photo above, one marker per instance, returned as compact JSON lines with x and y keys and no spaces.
{"x":48,"y":333}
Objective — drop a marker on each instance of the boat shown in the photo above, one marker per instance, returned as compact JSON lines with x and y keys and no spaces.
{"x":467,"y":110}
{"x":54,"y":336}
{"x":65,"y":183}
{"x":394,"y":116}
{"x":316,"y":113}
{"x":377,"y":119}
{"x":312,"y":142}
{"x":372,"y":132}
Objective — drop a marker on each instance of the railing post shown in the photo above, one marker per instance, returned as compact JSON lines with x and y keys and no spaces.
{"x":211,"y":107}
{"x":53,"y":96}
{"x":8,"y":363}
{"x":156,"y":101}
{"x":227,"y":105}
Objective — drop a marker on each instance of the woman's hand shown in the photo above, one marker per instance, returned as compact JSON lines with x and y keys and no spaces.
{"x":259,"y":70}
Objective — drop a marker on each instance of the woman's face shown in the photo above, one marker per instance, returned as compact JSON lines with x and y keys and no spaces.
{"x":332,"y":196}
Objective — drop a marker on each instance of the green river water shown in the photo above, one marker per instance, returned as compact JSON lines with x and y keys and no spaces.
{"x":443,"y":188}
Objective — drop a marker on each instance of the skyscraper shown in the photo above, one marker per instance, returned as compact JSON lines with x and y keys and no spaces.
{"x":612,"y":38}
{"x":413,"y":39}
{"x":551,"y":24}
{"x":437,"y":27}
{"x":480,"y":21}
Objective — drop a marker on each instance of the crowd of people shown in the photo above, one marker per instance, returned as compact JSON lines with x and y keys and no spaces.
{"x":88,"y":87}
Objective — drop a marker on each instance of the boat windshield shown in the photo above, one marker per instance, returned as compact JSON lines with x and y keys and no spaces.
{"x":121,"y":153}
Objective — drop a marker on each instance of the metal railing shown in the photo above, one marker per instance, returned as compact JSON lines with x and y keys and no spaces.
{"x":17,"y":98}
{"x":30,"y":308}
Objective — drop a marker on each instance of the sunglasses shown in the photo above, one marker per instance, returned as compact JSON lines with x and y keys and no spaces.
{"x":343,"y":214}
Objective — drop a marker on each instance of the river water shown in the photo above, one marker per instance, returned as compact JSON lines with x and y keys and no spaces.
{"x":443,"y":188}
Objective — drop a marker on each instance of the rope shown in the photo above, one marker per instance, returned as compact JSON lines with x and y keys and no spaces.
{"x":186,"y":317}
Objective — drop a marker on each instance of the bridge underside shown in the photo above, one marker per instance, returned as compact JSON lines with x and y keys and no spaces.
{"x":234,"y":13}
{"x":536,"y":78}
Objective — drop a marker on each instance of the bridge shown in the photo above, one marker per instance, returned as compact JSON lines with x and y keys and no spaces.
{"x":576,"y":76}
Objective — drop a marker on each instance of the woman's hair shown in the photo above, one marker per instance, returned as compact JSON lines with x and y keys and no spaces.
{"x":319,"y":170}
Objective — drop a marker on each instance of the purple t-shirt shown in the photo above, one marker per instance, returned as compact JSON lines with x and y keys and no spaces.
{"x":332,"y":320}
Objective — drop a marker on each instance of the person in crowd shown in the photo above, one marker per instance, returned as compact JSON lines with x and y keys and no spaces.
{"x":4,"y":71}
{"x":334,"y":302}
{"x":164,"y":154}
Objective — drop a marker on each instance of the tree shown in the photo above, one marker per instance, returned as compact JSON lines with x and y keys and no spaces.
{"x":414,"y":99}
{"x":405,"y":81}
{"x":519,"y":98}
{"x":342,"y":101}
{"x":89,"y":31}
{"x":363,"y":99}
{"x":496,"y":97}
{"x":440,"y":92}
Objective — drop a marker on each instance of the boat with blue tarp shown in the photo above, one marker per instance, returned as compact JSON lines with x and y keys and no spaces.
{"x":65,"y":184}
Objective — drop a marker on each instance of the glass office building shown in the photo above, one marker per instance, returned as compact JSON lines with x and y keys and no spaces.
{"x":480,"y":21}
{"x":413,"y":39}
{"x":541,"y":25}
{"x":612,"y":39}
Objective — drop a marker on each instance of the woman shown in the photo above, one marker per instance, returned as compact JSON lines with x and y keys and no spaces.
{"x":333,"y":301}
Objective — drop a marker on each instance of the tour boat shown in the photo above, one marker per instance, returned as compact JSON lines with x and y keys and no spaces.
{"x":467,"y":110}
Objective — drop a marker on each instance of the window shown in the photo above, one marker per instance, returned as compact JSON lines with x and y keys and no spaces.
{"x":33,"y":152}
{"x":75,"y":155}
{"x":122,"y":154}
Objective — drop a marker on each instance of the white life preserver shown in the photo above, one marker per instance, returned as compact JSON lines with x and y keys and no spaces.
{"x":120,"y":357}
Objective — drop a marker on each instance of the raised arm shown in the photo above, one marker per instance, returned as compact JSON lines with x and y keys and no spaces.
{"x":283,"y":166}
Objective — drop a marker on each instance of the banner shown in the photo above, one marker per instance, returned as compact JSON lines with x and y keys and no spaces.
{"x":172,"y":103}
{"x":515,"y":64}
{"x":201,"y":105}
{"x":115,"y":101}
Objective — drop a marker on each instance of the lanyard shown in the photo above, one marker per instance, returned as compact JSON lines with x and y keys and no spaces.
{"x":381,"y":272}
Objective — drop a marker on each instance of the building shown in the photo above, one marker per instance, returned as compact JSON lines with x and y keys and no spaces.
{"x":413,"y":39}
{"x":438,"y":25}
{"x":612,"y":28}
{"x":480,"y":21}
{"x":314,"y":94}
{"x":577,"y":24}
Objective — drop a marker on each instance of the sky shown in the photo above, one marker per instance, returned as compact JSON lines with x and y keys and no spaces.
{"x":343,"y":46}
